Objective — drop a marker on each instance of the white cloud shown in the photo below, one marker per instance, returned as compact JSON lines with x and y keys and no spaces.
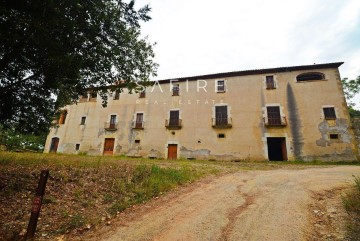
{"x":202,"y":37}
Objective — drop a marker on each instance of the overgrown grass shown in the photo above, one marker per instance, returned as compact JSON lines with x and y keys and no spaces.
{"x":351,"y":203}
{"x":83,"y":191}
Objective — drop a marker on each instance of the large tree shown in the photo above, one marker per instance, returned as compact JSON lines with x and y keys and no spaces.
{"x":51,"y":50}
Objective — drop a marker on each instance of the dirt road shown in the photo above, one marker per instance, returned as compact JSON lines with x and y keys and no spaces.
{"x":248,"y":205}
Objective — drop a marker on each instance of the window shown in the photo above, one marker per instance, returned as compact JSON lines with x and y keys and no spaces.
{"x":84,"y":97}
{"x":93,"y":95}
{"x":142,"y":94}
{"x":63,"y":117}
{"x":270,"y":84}
{"x":174,"y":123}
{"x":174,"y":118}
{"x":139,"y":121}
{"x":112,"y":125}
{"x":274,"y":117}
{"x":221,"y":116}
{"x":221,"y":135}
{"x":112,"y":121}
{"x":310,"y":76}
{"x":334,"y":136}
{"x":83,"y":120}
{"x":220,"y":85}
{"x":137,"y":141}
{"x":329,"y":113}
{"x":175,"y":90}
{"x":117,"y":94}
{"x":77,"y":147}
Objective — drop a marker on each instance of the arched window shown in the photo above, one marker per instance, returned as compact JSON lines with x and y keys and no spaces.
{"x":310,"y":76}
{"x":63,"y":117}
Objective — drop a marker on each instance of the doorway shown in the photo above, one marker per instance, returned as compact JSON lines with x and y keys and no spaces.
{"x":109,"y":146}
{"x":54,"y":144}
{"x":277,"y":148}
{"x":172,"y":151}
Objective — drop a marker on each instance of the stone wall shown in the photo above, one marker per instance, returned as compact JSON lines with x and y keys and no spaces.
{"x":355,"y":123}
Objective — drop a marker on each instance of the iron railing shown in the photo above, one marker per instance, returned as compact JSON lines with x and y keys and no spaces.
{"x":221,"y":122}
{"x":275,"y":121}
{"x":173,"y":124}
{"x":110,"y":126}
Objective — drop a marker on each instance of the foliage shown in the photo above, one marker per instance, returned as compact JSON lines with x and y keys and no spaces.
{"x":354,"y":113}
{"x":12,"y":140}
{"x":50,"y":51}
{"x":351,"y":88}
{"x":352,"y":206}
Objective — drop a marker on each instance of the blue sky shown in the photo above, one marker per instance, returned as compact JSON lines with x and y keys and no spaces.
{"x":206,"y":36}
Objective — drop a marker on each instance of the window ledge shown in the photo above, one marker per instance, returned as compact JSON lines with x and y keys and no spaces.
{"x":305,"y":81}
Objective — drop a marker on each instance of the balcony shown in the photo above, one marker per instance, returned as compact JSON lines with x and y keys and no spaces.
{"x":270,"y":86}
{"x":173,"y":124}
{"x":138,"y":125}
{"x":109,"y":126}
{"x":221,"y":123}
{"x":275,"y":122}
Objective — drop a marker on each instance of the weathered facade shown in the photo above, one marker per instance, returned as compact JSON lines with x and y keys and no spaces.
{"x":287,"y":113}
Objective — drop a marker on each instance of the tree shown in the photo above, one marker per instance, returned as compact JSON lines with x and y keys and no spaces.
{"x":351,"y":88}
{"x":51,"y":50}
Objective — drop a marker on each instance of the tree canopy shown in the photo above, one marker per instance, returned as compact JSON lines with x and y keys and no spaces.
{"x":52,"y":48}
{"x":351,"y":88}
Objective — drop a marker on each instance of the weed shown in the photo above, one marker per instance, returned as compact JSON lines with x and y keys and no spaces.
{"x":351,"y":203}
{"x":118,"y":207}
{"x":76,"y":221}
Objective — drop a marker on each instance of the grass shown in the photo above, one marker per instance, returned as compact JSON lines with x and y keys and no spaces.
{"x":86,"y":190}
{"x":83,"y":190}
{"x":351,"y":203}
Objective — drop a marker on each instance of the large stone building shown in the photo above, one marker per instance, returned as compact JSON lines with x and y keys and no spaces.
{"x":287,"y":113}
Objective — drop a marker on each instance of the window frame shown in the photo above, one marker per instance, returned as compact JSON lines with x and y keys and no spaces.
{"x":270,"y":84}
{"x":223,"y":86}
{"x":83,"y":120}
{"x":142,"y":94}
{"x":116,"y":95}
{"x":307,"y":77}
{"x":331,"y":111}
{"x":175,"y":90}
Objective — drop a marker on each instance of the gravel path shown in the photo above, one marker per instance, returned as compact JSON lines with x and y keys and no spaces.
{"x":249,"y":205}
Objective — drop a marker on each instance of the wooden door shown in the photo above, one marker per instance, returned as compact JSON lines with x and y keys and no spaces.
{"x":172,"y":151}
{"x":283,"y":149}
{"x":54,"y":144}
{"x":109,"y":146}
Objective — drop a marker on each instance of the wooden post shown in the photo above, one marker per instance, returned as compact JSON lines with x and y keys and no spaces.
{"x":36,"y":206}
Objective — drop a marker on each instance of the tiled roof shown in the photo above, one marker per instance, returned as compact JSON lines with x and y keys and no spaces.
{"x":257,"y":71}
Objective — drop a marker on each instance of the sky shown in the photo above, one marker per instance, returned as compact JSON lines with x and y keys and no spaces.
{"x":195,"y":37}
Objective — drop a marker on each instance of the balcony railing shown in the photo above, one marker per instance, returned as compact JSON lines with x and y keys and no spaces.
{"x":173,"y":124}
{"x":138,"y":125}
{"x":280,"y":121}
{"x":270,"y":85}
{"x":109,"y":126}
{"x":221,"y":122}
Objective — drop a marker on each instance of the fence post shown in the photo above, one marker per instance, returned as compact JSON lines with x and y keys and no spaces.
{"x":36,"y":205}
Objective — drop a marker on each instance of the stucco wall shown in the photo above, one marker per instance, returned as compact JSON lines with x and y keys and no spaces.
{"x":306,"y":132}
{"x":356,"y":129}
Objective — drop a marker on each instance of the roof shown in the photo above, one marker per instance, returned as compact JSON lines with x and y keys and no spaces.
{"x":257,"y":71}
